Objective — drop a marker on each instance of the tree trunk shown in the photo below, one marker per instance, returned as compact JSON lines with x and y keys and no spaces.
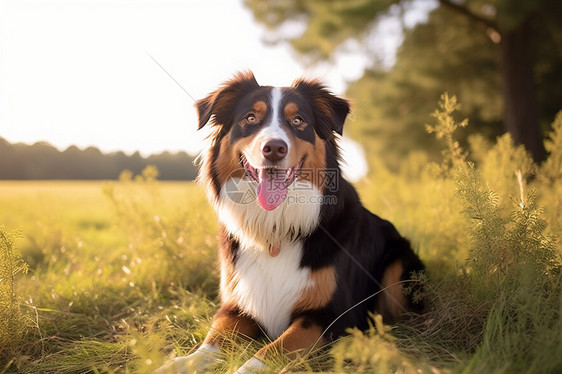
{"x":518,"y":55}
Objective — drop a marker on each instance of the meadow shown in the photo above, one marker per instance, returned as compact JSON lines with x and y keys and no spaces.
{"x":117,"y":277}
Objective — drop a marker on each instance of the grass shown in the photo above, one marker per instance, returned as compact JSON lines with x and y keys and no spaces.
{"x":101,"y":278}
{"x":122,"y":275}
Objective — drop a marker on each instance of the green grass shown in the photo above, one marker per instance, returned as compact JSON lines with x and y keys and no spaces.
{"x":122,"y":275}
{"x":110,"y":263}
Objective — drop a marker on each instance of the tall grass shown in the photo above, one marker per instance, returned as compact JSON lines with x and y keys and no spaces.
{"x":499,"y":310}
{"x":13,"y":321}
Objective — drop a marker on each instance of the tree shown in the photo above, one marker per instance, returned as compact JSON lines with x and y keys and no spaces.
{"x":516,"y":26}
{"x":522,"y":35}
{"x":435,"y":57}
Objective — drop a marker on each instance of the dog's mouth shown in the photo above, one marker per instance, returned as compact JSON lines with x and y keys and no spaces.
{"x":273,"y":182}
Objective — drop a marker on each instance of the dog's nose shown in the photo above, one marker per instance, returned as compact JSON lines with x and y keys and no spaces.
{"x":274,"y":150}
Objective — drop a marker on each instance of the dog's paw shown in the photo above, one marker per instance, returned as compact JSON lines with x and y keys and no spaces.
{"x":200,"y":361}
{"x":252,"y":366}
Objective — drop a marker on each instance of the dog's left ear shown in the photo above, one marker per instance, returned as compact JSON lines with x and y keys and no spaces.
{"x":221,"y":102}
{"x":330,"y":110}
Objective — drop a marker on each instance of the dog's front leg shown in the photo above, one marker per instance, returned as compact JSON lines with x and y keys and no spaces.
{"x":299,"y":339}
{"x":228,"y":321}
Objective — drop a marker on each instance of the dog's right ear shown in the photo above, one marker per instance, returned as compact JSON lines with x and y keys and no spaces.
{"x":219,"y":105}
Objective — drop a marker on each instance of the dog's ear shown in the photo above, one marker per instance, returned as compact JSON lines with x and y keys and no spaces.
{"x":330,"y":111}
{"x":219,"y":105}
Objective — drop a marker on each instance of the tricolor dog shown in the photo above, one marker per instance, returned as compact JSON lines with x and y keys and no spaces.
{"x":301,"y":260}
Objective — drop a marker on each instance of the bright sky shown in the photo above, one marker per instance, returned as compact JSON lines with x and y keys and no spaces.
{"x":81,"y":72}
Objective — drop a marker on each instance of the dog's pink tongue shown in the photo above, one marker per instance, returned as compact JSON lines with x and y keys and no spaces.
{"x":271,"y":189}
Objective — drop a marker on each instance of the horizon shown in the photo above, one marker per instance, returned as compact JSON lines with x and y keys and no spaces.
{"x":353,"y":163}
{"x":105,"y":152}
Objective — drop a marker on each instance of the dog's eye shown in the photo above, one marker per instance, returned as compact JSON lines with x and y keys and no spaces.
{"x":297,"y":121}
{"x":251,"y":118}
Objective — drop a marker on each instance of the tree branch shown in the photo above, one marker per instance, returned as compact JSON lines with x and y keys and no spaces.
{"x":488,"y":23}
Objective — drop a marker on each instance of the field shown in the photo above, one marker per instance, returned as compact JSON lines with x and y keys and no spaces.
{"x":117,"y":277}
{"x":99,"y":278}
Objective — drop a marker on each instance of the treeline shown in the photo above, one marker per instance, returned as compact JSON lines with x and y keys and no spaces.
{"x":43,"y":161}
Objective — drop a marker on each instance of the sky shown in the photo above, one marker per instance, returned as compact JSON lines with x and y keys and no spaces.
{"x":124,"y":75}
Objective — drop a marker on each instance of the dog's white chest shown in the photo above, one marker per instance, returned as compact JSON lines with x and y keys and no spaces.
{"x":267,"y":288}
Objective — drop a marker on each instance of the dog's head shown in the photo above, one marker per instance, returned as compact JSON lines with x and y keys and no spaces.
{"x":271,"y":135}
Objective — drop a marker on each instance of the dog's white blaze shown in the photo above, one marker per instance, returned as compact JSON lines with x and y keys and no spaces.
{"x":243,"y":217}
{"x":272,"y":130}
{"x":268,"y":287}
{"x":274,"y":127}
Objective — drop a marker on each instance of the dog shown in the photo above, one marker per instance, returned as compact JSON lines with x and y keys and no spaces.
{"x":301,"y":259}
